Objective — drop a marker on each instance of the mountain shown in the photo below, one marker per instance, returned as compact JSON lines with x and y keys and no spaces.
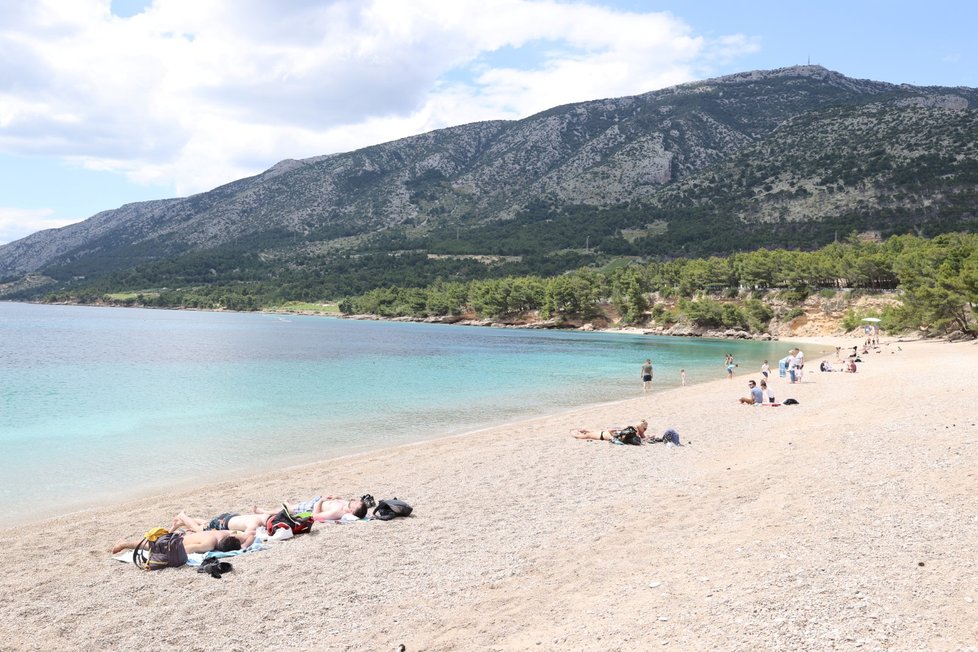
{"x":787,"y":157}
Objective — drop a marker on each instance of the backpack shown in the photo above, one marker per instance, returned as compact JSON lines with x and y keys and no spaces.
{"x":629,"y":435}
{"x":160,"y":549}
{"x":790,"y":401}
{"x":392,"y":508}
{"x":299,"y":524}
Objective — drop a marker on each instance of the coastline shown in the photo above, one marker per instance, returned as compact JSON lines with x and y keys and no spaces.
{"x":775,"y":527}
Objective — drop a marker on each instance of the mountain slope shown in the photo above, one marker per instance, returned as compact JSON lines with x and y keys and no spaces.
{"x":790,"y":145}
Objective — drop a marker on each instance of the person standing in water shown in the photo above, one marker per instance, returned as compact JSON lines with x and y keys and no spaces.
{"x":647,"y":376}
{"x":682,"y":377}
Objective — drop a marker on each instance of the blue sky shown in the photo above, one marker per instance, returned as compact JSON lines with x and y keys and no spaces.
{"x":104,"y":102}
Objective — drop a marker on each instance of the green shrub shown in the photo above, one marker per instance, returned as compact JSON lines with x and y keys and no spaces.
{"x":794,"y":295}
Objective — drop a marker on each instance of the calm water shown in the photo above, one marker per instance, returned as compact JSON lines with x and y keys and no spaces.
{"x":100,"y":403}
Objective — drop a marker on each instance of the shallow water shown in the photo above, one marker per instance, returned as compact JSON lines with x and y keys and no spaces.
{"x":103,"y":403}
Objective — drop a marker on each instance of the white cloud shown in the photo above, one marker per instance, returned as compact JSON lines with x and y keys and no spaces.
{"x":196,"y":94}
{"x":16,"y":223}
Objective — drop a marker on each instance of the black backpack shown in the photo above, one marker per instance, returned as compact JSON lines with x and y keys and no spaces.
{"x":629,"y":435}
{"x":392,"y":508}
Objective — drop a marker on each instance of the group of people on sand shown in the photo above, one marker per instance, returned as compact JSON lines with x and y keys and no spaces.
{"x":231,"y":531}
{"x":847,"y":366}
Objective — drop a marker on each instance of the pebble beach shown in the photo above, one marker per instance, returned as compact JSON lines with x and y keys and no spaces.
{"x":846,"y":522}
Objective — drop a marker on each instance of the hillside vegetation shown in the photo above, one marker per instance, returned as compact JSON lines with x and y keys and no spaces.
{"x":933,"y":285}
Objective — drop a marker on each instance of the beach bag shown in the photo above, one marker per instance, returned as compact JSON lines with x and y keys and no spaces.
{"x":391,"y":509}
{"x":629,"y":435}
{"x":299,"y":524}
{"x":671,"y":436}
{"x":790,"y":401}
{"x":163,"y":549}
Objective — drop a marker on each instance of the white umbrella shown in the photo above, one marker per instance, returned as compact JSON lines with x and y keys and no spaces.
{"x":873,"y":319}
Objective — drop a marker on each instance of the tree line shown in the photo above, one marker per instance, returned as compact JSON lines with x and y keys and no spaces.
{"x":937,"y":280}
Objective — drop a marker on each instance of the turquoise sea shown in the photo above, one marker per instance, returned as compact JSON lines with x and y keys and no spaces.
{"x":102,"y":404}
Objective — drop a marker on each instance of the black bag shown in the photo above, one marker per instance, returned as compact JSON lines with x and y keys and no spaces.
{"x":629,"y":435}
{"x":392,"y":508}
{"x":670,"y":435}
{"x":790,"y":401}
{"x":165,"y":552}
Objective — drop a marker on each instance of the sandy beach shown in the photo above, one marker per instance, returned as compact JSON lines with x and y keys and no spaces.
{"x":846,"y":522}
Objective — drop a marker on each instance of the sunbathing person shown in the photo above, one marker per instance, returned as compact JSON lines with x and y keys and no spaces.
{"x":222,"y":541}
{"x":244,"y":525}
{"x":329,"y":508}
{"x":617,"y":435}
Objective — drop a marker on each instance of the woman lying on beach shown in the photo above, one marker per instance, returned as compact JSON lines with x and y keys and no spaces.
{"x":633,"y":435}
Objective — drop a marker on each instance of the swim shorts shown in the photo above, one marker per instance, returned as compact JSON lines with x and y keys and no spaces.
{"x":220,"y":522}
{"x":306,"y":506}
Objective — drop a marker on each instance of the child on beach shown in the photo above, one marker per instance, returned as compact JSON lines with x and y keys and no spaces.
{"x":682,"y":377}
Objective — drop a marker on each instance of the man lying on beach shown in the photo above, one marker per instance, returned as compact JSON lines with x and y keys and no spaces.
{"x":245,"y":526}
{"x":615,"y":435}
{"x":330,"y":508}
{"x":222,"y":541}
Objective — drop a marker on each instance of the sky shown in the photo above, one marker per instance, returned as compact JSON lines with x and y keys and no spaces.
{"x":105,"y":102}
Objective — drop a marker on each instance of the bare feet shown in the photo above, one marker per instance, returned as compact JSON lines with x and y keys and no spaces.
{"x":119,"y":546}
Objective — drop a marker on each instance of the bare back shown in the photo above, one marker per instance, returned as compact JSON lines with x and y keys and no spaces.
{"x":203,"y":541}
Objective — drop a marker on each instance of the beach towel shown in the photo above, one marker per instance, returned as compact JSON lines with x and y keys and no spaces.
{"x":198,"y":558}
{"x":346,"y":519}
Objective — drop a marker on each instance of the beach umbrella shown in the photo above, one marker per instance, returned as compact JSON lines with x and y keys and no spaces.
{"x":872,"y":319}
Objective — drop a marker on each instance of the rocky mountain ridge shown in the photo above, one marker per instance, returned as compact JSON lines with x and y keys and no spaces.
{"x":739,"y":137}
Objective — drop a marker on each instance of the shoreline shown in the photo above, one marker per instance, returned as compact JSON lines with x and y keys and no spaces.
{"x":846,"y":521}
{"x":684,"y":332}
